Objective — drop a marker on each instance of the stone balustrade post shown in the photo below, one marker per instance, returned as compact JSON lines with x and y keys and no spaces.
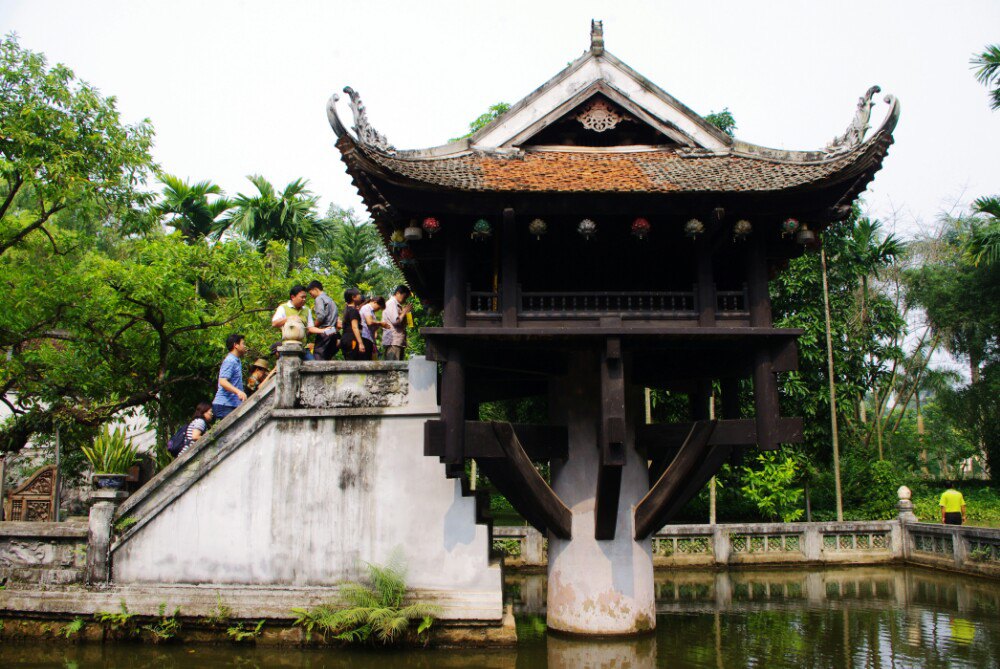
{"x":534,"y":548}
{"x":812,"y":543}
{"x":959,"y":546}
{"x":289,"y":364}
{"x":103,"y":504}
{"x":721,"y":546}
{"x":906,"y":516}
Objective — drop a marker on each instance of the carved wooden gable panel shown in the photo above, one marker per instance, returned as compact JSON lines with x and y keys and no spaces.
{"x":34,"y":500}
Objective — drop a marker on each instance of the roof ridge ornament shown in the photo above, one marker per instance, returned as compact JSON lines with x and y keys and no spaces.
{"x":855,"y":133}
{"x":366,"y":133}
{"x":596,"y":37}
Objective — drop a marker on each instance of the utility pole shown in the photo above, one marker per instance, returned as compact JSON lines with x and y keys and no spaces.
{"x":833,"y":391}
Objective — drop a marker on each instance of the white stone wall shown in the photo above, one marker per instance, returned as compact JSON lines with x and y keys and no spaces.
{"x":313,"y":494}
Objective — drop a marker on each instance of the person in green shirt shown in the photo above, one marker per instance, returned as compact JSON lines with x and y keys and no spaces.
{"x":952,"y":506}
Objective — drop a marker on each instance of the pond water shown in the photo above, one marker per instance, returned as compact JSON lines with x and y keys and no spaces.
{"x":855,"y":617}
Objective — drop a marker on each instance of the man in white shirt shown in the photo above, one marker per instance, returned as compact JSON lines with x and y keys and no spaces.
{"x":395,"y":321}
{"x":296,"y":306}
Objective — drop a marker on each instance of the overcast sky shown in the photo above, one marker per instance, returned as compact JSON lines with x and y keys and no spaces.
{"x":240,"y":87}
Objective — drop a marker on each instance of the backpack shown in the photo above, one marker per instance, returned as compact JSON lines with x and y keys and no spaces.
{"x":176,"y":443}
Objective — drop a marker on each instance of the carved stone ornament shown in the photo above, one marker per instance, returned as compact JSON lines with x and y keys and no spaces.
{"x":364,"y":130}
{"x":294,"y":330}
{"x":855,"y":133}
{"x":599,"y":116}
{"x":597,"y":37}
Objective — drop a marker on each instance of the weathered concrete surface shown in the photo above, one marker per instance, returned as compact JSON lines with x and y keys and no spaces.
{"x":634,"y":653}
{"x":596,"y":587}
{"x":304,"y":500}
{"x":42,"y":553}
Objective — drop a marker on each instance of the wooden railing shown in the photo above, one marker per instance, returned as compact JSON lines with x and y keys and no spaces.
{"x":651,"y":304}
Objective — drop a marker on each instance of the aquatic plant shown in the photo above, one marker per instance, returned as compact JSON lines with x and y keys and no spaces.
{"x":71,"y":629}
{"x":120,"y":623}
{"x":241,"y":634}
{"x":164,"y":627}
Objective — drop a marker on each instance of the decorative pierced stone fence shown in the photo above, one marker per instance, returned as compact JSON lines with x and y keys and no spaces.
{"x":966,"y":549}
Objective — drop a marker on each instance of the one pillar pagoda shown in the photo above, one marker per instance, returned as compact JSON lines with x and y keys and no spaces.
{"x":596,"y":239}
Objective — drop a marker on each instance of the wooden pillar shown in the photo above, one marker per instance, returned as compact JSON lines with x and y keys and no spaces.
{"x":454,"y":280}
{"x":453,"y":369}
{"x":765,"y":385}
{"x":453,"y":408}
{"x":699,"y":398}
{"x":612,"y":436}
{"x":508,"y":269}
{"x":706,"y":283}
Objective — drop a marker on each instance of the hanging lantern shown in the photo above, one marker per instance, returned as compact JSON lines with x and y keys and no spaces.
{"x":719,"y":213}
{"x":641,"y":228}
{"x":693,"y":228}
{"x":482,"y":229}
{"x":397,"y":240}
{"x":431,"y":225}
{"x":406,"y":257}
{"x":789,"y":227}
{"x":413,"y":233}
{"x":805,"y":236}
{"x":742,"y":229}
{"x":538,"y":227}
{"x":587,"y":228}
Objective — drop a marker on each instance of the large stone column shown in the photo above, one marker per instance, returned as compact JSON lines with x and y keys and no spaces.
{"x":596,"y":587}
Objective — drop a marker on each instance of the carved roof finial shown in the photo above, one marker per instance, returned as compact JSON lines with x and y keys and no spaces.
{"x":596,"y":37}
{"x":366,"y":133}
{"x":855,"y":133}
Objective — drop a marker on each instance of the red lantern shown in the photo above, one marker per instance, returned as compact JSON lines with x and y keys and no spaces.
{"x":406,"y":256}
{"x":641,"y":228}
{"x":431,"y":225}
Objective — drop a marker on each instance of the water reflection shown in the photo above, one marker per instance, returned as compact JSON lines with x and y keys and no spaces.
{"x":858,"y":617}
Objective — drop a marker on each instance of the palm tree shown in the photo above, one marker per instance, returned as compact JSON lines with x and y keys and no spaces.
{"x":289,"y":217}
{"x":987,"y":66}
{"x":187,"y":208}
{"x":984,"y":242}
{"x":870,"y":253}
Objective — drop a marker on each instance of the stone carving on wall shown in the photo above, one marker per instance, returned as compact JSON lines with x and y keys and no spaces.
{"x":599,"y":116}
{"x":855,"y":133}
{"x":366,"y":133}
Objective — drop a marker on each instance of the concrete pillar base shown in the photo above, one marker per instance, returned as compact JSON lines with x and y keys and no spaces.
{"x":596,"y":587}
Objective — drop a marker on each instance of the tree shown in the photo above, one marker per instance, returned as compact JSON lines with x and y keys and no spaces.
{"x":354,"y":252}
{"x":288,"y":217}
{"x":984,"y":240}
{"x":187,"y":208}
{"x":492,"y":113}
{"x":723,"y":120}
{"x":987,"y":66}
{"x":61,"y":145}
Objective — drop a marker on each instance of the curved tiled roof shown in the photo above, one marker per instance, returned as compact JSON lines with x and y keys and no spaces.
{"x":649,"y":171}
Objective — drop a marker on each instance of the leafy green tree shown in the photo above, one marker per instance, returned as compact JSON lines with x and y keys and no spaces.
{"x":771,"y":486}
{"x":288,"y":217}
{"x":723,"y":120}
{"x":187,"y":208}
{"x":987,"y":66}
{"x":492,"y":113}
{"x":961,"y":301}
{"x":62,"y":145}
{"x":355,"y":253}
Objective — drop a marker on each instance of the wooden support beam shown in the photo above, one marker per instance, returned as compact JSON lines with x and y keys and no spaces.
{"x":713,"y":458}
{"x":529,"y":485}
{"x":612,"y":440}
{"x":785,"y":356}
{"x":542,"y":443}
{"x":657,"y":438}
{"x":508,"y":270}
{"x":765,"y":400}
{"x":650,"y":511}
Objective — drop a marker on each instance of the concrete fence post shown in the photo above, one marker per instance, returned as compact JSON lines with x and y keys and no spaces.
{"x":812,"y":543}
{"x":906,"y":516}
{"x":721,"y":548}
{"x":534,"y":548}
{"x":289,"y":364}
{"x":103,"y":504}
{"x":959,"y":547}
